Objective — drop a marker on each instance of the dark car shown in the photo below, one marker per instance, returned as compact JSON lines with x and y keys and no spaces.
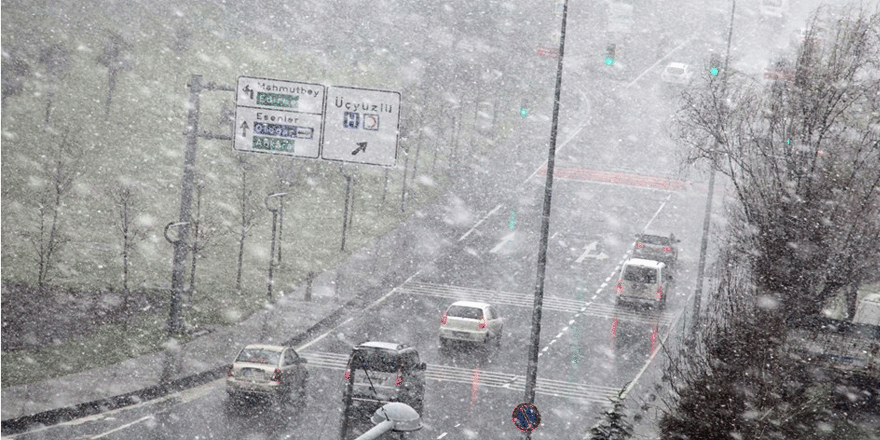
{"x":656,"y":247}
{"x":383,"y":372}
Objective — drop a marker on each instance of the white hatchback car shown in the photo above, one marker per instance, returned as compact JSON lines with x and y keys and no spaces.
{"x":471,"y":322}
{"x":677,"y":73}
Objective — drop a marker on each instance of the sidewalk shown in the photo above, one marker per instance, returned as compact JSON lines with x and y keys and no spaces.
{"x":373,"y":271}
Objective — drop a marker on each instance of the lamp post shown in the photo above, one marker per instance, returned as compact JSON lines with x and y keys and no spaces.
{"x":274,"y":212}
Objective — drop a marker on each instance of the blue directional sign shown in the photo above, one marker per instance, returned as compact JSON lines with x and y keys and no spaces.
{"x":526,"y":417}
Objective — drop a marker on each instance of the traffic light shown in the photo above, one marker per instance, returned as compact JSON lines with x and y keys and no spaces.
{"x":714,"y":65}
{"x":524,"y":108}
{"x":610,"y":53}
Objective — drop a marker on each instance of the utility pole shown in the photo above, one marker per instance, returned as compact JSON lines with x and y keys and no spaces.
{"x":532,"y":369}
{"x":274,"y":212}
{"x":181,"y":245}
{"x":704,"y":241}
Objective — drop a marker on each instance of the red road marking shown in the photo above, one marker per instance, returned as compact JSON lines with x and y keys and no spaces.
{"x":583,"y":174}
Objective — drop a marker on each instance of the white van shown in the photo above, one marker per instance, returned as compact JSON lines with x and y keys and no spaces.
{"x":643,"y":281}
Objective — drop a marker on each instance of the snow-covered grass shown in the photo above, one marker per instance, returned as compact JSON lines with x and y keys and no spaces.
{"x":111,"y":344}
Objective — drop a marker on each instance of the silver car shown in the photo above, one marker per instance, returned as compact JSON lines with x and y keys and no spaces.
{"x":267,"y":371}
{"x":472,"y":322}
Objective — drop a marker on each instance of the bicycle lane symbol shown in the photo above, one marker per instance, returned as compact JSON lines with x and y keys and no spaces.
{"x":526,"y":417}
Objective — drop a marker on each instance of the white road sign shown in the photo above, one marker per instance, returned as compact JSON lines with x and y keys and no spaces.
{"x":280,"y":117}
{"x":361,"y":125}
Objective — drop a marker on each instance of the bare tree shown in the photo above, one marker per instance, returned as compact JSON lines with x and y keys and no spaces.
{"x":202,"y":235}
{"x":802,"y":155}
{"x":246,"y":209}
{"x":15,"y":71}
{"x":126,"y":204}
{"x":115,"y":56}
{"x":55,"y":60}
{"x":60,"y":168}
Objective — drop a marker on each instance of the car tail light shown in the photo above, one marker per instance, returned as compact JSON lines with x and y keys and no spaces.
{"x":231,"y":372}
{"x":640,"y":245}
{"x":399,"y":380}
{"x":443,"y":319}
{"x":659,"y":292}
{"x":277,"y":375}
{"x":667,"y":249}
{"x":619,"y":287}
{"x":482,"y":322}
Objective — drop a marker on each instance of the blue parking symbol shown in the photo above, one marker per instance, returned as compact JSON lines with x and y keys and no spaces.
{"x":351,"y":119}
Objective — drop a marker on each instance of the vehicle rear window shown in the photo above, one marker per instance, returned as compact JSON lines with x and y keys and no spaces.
{"x":378,"y":360}
{"x":640,"y":274}
{"x":259,"y":356}
{"x":654,"y":239}
{"x":465,"y":312}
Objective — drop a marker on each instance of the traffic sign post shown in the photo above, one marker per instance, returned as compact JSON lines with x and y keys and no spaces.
{"x":279,"y":117}
{"x":361,"y":125}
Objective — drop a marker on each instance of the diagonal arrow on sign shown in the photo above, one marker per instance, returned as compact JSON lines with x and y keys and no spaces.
{"x":362,"y":146}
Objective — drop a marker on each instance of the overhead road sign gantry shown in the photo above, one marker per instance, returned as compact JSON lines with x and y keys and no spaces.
{"x":278,"y":117}
{"x":361,"y":125}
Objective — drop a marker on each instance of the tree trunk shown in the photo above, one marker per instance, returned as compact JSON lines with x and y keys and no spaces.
{"x":111,"y":84}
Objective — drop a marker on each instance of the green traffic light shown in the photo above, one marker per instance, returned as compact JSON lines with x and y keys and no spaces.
{"x":523,"y":112}
{"x":713,"y":71}
{"x":609,"y":61}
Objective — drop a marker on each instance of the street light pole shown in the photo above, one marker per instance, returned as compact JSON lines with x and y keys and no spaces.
{"x":274,"y":221}
{"x":704,"y":241}
{"x":532,"y":369}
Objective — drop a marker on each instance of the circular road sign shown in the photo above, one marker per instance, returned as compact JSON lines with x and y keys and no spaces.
{"x":526,"y":417}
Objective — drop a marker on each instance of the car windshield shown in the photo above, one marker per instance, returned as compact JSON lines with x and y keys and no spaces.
{"x":640,"y":274}
{"x":654,"y":239}
{"x":465,"y":312}
{"x":259,"y":356}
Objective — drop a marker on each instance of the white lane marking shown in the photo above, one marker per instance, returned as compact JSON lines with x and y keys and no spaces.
{"x":656,"y":350}
{"x":658,"y":62}
{"x":441,"y":436}
{"x":653,"y":217}
{"x":373,"y":304}
{"x":492,"y":212}
{"x":504,"y":241}
{"x":121,"y":427}
{"x":558,"y":149}
{"x":559,"y":335}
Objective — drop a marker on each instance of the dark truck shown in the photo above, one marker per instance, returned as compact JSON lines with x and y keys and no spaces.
{"x":847,"y":350}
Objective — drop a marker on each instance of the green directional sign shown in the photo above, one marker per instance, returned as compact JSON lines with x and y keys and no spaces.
{"x":279,"y":117}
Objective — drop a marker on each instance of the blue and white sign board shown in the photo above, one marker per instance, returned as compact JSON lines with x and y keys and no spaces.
{"x":361,"y":125}
{"x":279,"y":117}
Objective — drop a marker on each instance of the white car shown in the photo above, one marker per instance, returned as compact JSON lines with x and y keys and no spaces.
{"x":471,"y":322}
{"x":677,"y":73}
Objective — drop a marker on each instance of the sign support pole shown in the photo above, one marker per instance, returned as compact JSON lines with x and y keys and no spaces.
{"x":181,"y":247}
